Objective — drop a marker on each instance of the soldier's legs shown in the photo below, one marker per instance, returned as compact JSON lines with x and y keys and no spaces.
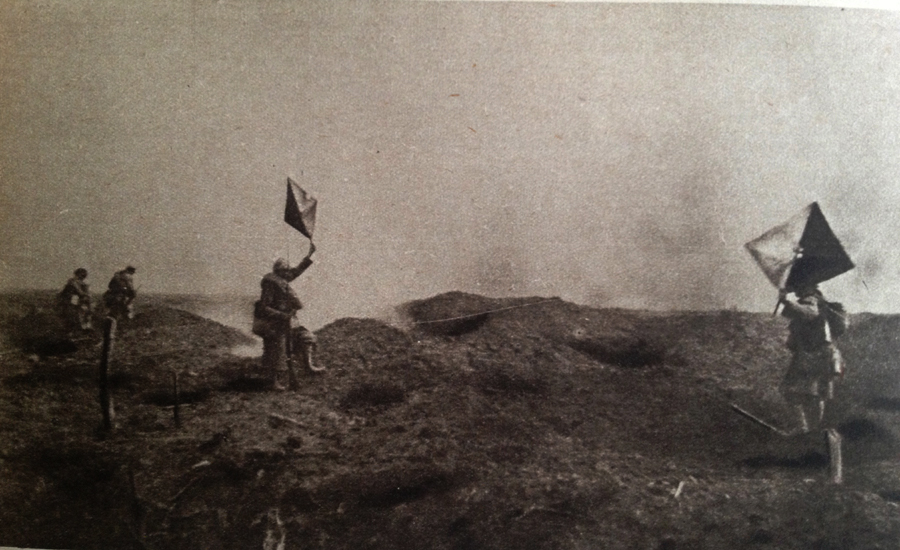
{"x":812,"y":413}
{"x":825,"y":391}
{"x":804,"y":406}
{"x":293,"y":381}
{"x":115,"y":311}
{"x":68,"y":323}
{"x":802,"y":389}
{"x":807,"y":408}
{"x":84,"y":318}
{"x":274,"y":357}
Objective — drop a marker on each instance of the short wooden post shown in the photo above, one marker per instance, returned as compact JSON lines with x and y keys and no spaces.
{"x":109,"y":331}
{"x":137,"y":510}
{"x":833,"y":438}
{"x":176,"y":397}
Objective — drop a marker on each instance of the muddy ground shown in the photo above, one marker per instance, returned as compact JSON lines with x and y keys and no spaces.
{"x":520,"y":423}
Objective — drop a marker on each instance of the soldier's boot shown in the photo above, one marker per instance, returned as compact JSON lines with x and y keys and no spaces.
{"x":276,"y":385}
{"x":308,"y":359}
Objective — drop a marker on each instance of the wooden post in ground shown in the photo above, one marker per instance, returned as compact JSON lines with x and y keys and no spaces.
{"x":137,"y":510}
{"x":176,"y":397}
{"x":109,"y":331}
{"x":833,"y":438}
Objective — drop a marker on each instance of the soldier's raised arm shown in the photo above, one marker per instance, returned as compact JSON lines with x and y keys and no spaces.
{"x":304,"y":264}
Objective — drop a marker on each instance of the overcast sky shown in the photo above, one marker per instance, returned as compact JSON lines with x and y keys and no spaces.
{"x":609,"y":154}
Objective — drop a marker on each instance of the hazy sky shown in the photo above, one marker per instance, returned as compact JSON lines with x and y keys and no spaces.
{"x":608,"y":154}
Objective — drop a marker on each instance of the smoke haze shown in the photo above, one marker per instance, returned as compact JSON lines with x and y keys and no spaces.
{"x":615,"y":155}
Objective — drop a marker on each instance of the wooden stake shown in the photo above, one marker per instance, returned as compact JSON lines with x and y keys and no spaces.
{"x":833,"y":438}
{"x":109,"y":330}
{"x":137,"y":510}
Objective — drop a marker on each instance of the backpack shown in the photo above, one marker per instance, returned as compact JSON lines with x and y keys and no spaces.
{"x":262,"y":325}
{"x":836,"y":316}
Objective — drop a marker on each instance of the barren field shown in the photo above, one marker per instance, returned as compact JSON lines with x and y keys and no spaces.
{"x":521,"y":423}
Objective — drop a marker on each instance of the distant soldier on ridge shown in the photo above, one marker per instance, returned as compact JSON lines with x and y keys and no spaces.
{"x":120,"y":294}
{"x":277,"y":307}
{"x":74,"y":302}
{"x":816,"y":362}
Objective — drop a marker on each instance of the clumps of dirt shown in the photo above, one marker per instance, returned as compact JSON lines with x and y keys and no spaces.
{"x":239,"y":375}
{"x":866,"y":440}
{"x":885,"y":403}
{"x":360,"y":342}
{"x":373,"y":395}
{"x":246,"y":384}
{"x":391,"y":486}
{"x":41,"y":333}
{"x":130,"y":381}
{"x":42,"y":375}
{"x":872,"y":342}
{"x":81,"y":489}
{"x":495,"y":379}
{"x":371,"y":365}
{"x":162,"y":398}
{"x":533,"y":424}
{"x":858,"y":429}
{"x":810,"y":460}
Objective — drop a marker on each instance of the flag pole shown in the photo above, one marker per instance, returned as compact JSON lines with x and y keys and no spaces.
{"x":287,"y":246}
{"x":784,"y":278}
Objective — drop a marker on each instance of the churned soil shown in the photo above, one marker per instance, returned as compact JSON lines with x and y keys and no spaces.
{"x":475,"y":423}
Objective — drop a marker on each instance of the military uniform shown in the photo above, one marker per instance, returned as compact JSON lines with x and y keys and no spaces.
{"x":74,"y":303}
{"x":274,"y":311}
{"x":120,"y":294}
{"x":815,"y":360}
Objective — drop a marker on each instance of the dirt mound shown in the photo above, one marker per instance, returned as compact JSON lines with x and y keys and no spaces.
{"x":450,"y":314}
{"x":40,"y":333}
{"x":871,"y":344}
{"x":488,"y":423}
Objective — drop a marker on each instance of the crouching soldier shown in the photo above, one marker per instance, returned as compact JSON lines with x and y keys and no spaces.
{"x":73,"y":303}
{"x":276,"y":308}
{"x":120,"y":294}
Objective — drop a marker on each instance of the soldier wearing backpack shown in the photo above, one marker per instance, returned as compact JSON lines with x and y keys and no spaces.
{"x":816,"y":362}
{"x":272,"y":316}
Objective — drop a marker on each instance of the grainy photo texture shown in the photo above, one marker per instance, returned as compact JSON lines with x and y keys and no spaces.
{"x":449,"y":275}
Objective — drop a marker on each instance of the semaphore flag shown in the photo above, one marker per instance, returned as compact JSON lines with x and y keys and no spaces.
{"x":300,"y":209}
{"x":800,"y":252}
